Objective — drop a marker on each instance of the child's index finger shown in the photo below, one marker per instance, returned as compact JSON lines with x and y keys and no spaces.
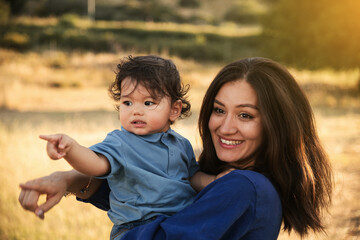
{"x":44,"y":137}
{"x":47,"y":137}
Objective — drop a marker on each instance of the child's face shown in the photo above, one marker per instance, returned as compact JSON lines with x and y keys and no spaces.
{"x":141,"y":114}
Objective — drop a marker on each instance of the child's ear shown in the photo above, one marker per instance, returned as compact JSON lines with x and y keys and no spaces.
{"x":175,"y":112}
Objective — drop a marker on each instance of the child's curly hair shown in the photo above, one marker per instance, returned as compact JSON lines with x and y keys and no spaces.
{"x":158,"y":75}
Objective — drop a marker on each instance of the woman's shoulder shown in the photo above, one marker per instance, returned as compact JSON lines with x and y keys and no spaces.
{"x":253,"y":184}
{"x":251,"y":177}
{"x":257,"y":186}
{"x":257,"y":190}
{"x":257,"y":179}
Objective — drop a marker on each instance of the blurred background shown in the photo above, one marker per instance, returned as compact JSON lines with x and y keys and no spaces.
{"x":57,"y":59}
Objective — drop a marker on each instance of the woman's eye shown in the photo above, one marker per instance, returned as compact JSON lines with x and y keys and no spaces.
{"x":127,"y":103}
{"x":218,"y":110}
{"x":245,"y":116}
{"x":149,"y":103}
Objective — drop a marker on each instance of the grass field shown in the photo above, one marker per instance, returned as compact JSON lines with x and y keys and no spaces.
{"x":56,"y":92}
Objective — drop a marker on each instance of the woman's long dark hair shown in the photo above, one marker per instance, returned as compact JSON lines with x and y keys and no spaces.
{"x":291,"y":155}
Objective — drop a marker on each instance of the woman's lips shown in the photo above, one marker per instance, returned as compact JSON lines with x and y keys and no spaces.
{"x":230,"y":143}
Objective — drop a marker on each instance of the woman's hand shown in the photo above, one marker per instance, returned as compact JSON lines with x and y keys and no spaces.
{"x":54,"y":186}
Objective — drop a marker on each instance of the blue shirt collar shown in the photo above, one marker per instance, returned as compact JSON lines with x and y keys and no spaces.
{"x":155,"y":137}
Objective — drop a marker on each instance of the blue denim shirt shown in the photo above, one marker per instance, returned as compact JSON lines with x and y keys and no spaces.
{"x":149,"y":174}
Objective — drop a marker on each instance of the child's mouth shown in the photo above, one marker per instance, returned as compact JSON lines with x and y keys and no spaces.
{"x":138,"y":123}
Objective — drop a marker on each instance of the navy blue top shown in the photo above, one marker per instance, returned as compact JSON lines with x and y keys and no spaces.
{"x":149,"y":174}
{"x":241,"y":205}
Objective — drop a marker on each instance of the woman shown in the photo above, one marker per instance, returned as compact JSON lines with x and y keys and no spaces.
{"x":255,"y":119}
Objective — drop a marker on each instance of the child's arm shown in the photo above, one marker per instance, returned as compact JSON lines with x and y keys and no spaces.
{"x":200,"y":180}
{"x":79,"y":157}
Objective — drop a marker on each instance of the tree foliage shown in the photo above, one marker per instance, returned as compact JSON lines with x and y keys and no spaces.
{"x":245,"y":12}
{"x":189,"y":3}
{"x":313,"y":34}
{"x":4,"y":12}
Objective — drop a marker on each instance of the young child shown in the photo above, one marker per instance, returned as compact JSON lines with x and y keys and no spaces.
{"x":147,"y":164}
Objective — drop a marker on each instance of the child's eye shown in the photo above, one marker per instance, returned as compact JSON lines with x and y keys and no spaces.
{"x":127,"y":103}
{"x":245,"y":116}
{"x":149,"y":103}
{"x":218,"y":110}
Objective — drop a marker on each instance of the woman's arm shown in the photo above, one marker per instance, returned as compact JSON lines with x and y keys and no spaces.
{"x":54,"y":187}
{"x":200,"y":179}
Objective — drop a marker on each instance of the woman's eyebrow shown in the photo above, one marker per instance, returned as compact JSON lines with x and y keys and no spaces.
{"x":239,"y":105}
{"x":218,"y":102}
{"x":248,"y":105}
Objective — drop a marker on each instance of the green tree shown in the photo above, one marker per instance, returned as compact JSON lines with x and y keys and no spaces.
{"x":245,"y":12}
{"x":4,"y":12}
{"x":313,"y":34}
{"x":189,"y":3}
{"x":16,"y":6}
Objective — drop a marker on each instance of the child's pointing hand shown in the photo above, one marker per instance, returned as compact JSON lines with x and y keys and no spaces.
{"x":57,"y":145}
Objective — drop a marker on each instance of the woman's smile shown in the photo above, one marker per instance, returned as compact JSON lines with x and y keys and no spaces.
{"x":230,"y":143}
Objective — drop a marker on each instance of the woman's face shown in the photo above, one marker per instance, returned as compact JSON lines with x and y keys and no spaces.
{"x":235,"y":123}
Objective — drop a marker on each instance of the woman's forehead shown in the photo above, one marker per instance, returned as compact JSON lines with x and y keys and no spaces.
{"x":237,"y":92}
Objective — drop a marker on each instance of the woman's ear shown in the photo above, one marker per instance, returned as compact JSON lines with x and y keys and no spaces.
{"x":175,"y":112}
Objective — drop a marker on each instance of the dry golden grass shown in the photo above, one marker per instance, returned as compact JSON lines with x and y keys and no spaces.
{"x":78,"y":105}
{"x":23,"y":158}
{"x":51,"y":80}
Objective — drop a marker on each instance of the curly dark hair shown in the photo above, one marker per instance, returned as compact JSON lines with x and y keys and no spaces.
{"x":160,"y":76}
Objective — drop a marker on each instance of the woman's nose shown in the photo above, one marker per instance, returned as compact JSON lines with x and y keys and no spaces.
{"x":228,"y":125}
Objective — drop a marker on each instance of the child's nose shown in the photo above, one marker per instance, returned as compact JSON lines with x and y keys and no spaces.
{"x":138,"y":110}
